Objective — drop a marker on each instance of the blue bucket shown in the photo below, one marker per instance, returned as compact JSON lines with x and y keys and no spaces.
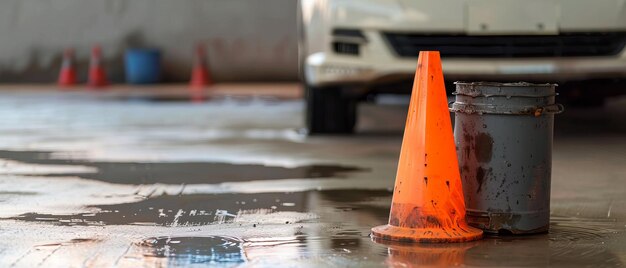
{"x":143,"y":66}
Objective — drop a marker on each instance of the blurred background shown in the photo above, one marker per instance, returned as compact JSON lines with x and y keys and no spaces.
{"x":241,"y":37}
{"x":158,"y":133}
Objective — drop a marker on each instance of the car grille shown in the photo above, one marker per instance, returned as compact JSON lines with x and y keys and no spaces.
{"x":346,"y":48}
{"x":465,"y":46}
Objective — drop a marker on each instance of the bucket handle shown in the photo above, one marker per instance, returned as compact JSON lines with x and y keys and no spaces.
{"x":555,"y":109}
{"x":560,"y":107}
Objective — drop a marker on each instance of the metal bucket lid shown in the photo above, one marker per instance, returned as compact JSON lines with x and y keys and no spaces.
{"x":517,"y":89}
{"x":520,"y":98}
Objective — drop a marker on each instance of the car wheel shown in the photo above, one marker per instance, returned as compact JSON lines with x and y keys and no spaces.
{"x":329,"y":110}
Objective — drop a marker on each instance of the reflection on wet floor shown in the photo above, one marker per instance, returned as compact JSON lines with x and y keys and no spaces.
{"x":574,"y":244}
{"x":570,"y":242}
{"x":346,"y":217}
{"x":202,"y":209}
{"x":182,"y":251}
{"x":431,"y":255}
{"x":175,"y":172}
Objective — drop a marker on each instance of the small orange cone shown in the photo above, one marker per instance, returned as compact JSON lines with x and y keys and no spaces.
{"x":67,"y":76}
{"x":200,"y":77}
{"x":97,"y":75}
{"x":428,"y":204}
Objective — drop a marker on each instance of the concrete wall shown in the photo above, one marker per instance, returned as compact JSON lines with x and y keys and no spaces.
{"x":247,"y":40}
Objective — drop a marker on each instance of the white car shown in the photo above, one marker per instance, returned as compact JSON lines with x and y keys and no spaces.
{"x":349,"y":48}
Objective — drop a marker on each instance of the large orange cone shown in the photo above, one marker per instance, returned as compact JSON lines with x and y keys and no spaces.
{"x":67,"y":76}
{"x":97,"y":75}
{"x":200,"y":77}
{"x":428,"y":204}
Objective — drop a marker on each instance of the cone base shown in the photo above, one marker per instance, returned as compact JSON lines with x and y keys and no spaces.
{"x":426,"y":235}
{"x":198,"y":85}
{"x":66,"y":80}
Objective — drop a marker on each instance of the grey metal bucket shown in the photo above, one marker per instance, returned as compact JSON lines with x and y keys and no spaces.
{"x":503,"y":134}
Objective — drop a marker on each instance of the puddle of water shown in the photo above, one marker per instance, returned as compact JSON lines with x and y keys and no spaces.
{"x":342,"y":236}
{"x":71,"y":242}
{"x":571,"y":242}
{"x":183,"y":210}
{"x":581,"y":229}
{"x":345,"y":240}
{"x":339,"y":235}
{"x":175,"y":172}
{"x":574,"y":245}
{"x":203,"y":209}
{"x":358,"y":250}
{"x":220,"y":251}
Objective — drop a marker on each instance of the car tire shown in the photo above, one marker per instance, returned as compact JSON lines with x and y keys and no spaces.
{"x":329,"y":110}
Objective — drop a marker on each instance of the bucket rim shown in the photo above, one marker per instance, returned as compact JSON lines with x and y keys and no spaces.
{"x":505,"y":84}
{"x":143,"y":51}
{"x":458,"y":107}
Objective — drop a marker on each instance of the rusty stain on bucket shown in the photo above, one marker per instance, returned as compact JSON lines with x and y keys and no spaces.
{"x":503,"y":133}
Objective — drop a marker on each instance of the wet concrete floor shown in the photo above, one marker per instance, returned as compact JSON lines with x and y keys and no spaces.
{"x":115,"y":182}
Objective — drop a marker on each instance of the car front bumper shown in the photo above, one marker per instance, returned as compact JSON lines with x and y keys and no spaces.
{"x":322,"y":69}
{"x":378,"y":61}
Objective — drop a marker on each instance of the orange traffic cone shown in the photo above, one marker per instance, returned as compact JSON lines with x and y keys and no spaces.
{"x":200,"y":77}
{"x":97,"y":75}
{"x":67,"y":76}
{"x":428,"y":204}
